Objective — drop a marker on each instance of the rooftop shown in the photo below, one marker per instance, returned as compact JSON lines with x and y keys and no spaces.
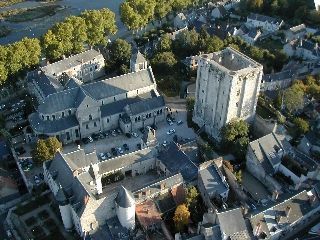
{"x":263,"y":18}
{"x":70,"y":62}
{"x":232,"y":60}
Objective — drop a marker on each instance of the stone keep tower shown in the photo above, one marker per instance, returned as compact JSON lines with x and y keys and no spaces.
{"x":138,"y":61}
{"x":227,"y":87}
{"x":125,"y":208}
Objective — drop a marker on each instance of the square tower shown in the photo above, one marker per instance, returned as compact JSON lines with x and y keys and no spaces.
{"x":227,"y":87}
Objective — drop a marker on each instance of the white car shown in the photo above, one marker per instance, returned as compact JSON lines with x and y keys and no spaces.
{"x":171,"y":131}
{"x":36,"y":179}
{"x":170,"y":123}
{"x":90,"y":139}
{"x":134,"y":134}
{"x":165,"y":143}
{"x":120,"y":151}
{"x":102,"y":156}
{"x":108,"y":155}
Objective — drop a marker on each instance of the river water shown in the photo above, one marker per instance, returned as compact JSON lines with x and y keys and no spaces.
{"x":38,"y":27}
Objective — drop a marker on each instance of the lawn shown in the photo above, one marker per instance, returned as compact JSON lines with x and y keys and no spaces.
{"x":264,"y":112}
{"x":28,"y":14}
{"x":270,"y":44}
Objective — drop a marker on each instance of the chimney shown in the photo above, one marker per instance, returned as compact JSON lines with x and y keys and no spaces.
{"x":162,"y":186}
{"x":275,"y":195}
{"x":258,"y":228}
{"x":288,"y":210}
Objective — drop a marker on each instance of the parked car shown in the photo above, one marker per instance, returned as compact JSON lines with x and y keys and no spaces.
{"x":171,"y":131}
{"x":142,"y":130}
{"x":120,"y":151}
{"x":101,"y":135}
{"x":114,"y":133}
{"x":114,"y":152}
{"x":126,"y":147}
{"x":95,"y":136}
{"x":108,"y":155}
{"x":36,"y":179}
{"x":165,"y":143}
{"x":106,"y":133}
{"x":102,"y":156}
{"x":139,"y":146}
{"x":119,"y":131}
{"x":90,"y":139}
{"x":85,"y":140}
{"x":154,"y":126}
{"x":179,"y":122}
{"x":135,"y":134}
{"x":128,"y":135}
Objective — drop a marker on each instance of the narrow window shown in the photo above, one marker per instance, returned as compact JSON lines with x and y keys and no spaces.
{"x":107,"y":120}
{"x":48,"y":118}
{"x":53,"y":117}
{"x":87,"y":126}
{"x":62,"y":114}
{"x":69,"y":112}
{"x":94,"y":124}
{"x":90,"y":117}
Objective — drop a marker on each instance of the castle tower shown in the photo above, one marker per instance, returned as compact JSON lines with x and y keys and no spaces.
{"x":138,"y":62}
{"x":227,"y":87}
{"x":125,"y":208}
{"x":65,"y":209}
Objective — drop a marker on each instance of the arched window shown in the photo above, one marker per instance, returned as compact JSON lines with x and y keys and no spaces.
{"x":90,"y":117}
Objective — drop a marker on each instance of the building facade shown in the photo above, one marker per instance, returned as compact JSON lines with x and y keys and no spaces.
{"x":268,"y":24}
{"x":227,"y":87}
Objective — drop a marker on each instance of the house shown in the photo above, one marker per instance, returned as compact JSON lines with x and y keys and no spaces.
{"x":229,"y":224}
{"x":272,"y":155}
{"x":287,"y":218}
{"x":266,"y":23}
{"x":129,"y":102}
{"x":212,"y":184}
{"x":263,"y":159}
{"x":90,"y":193}
{"x":180,"y":21}
{"x":303,"y":48}
{"x":295,"y":32}
{"x":81,"y":68}
{"x":219,"y":12}
{"x":279,"y":80}
{"x":249,"y":35}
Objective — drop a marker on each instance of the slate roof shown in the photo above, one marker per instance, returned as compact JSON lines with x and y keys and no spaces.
{"x":266,"y":150}
{"x":137,"y":57}
{"x":73,"y":83}
{"x":177,"y":161}
{"x":117,"y":107}
{"x":212,"y":180}
{"x":46,"y":85}
{"x":311,"y":46}
{"x":273,"y":219}
{"x":124,"y":198}
{"x":279,"y":76}
{"x":125,"y":160}
{"x":297,"y":29}
{"x":146,"y":105}
{"x":70,"y":62}
{"x":42,"y":126}
{"x":263,"y":18}
{"x":120,"y":84}
{"x":78,"y":159}
{"x":232,"y":224}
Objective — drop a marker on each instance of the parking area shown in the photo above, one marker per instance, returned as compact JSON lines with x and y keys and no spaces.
{"x":106,"y":144}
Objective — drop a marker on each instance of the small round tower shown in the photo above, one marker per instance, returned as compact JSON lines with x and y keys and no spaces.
{"x":65,"y":209}
{"x":125,"y":208}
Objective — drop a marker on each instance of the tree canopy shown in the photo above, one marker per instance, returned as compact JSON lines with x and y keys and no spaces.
{"x":293,"y":97}
{"x":46,"y":149}
{"x":181,"y":217}
{"x":302,"y":125}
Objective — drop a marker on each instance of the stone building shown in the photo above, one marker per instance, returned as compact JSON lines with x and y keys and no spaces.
{"x":77,"y":110}
{"x":89,"y":192}
{"x":227,"y":87}
{"x":268,"y":24}
{"x":81,"y":68}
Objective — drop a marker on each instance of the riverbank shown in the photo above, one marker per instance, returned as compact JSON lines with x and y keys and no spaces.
{"x":29,"y":14}
{"x":6,"y":3}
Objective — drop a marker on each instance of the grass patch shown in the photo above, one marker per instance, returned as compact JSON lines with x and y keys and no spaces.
{"x":6,"y":3}
{"x":28,"y":14}
{"x":31,"y":221}
{"x":31,"y":205}
{"x":270,"y":44}
{"x":264,"y":112}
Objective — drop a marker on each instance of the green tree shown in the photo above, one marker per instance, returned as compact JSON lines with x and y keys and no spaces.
{"x":120,"y":52}
{"x":165,"y":44}
{"x":79,"y":33}
{"x":302,"y":125}
{"x":164,"y":63}
{"x":192,"y":195}
{"x":46,"y":149}
{"x":235,"y":136}
{"x":293,"y":98}
{"x":179,"y":5}
{"x":163,"y":8}
{"x":213,"y":44}
{"x":129,"y":17}
{"x":181,"y":217}
{"x":51,"y":46}
{"x":64,"y":35}
{"x":100,"y":24}
{"x":186,"y":43}
{"x":190,"y":103}
{"x":33,"y":47}
{"x":3,"y":73}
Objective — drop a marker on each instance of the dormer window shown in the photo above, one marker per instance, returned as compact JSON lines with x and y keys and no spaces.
{"x":48,"y":118}
{"x":69,"y":111}
{"x":62,"y":114}
{"x":53,"y":117}
{"x":90,"y":117}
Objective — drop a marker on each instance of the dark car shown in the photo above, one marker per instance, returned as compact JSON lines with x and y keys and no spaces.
{"x":128,"y":135}
{"x":85,"y":140}
{"x":95,"y":136}
{"x":114,"y":152}
{"x":126,"y":147}
{"x":142,"y":130}
{"x":139,"y":146}
{"x":154,"y":126}
{"x":20,"y":150}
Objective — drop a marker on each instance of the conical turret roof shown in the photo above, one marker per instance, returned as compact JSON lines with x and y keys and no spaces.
{"x":125,"y":198}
